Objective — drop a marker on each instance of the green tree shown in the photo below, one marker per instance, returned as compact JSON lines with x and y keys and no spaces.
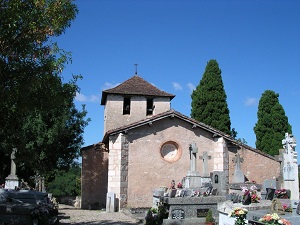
{"x":38,"y":115}
{"x":66,"y":182}
{"x":209,"y":103}
{"x":272,"y":123}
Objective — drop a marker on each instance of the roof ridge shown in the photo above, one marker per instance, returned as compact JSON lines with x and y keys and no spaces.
{"x":135,"y":85}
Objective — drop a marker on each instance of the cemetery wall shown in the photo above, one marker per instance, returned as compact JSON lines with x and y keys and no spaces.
{"x":147,"y":167}
{"x":94,"y":177}
{"x":255,"y":165}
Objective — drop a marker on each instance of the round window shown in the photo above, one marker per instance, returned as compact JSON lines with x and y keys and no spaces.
{"x":170,"y":151}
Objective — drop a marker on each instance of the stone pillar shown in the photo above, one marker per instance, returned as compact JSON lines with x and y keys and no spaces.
{"x":118,"y":168}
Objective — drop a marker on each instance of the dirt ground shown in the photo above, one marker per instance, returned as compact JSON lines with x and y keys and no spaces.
{"x":71,"y":215}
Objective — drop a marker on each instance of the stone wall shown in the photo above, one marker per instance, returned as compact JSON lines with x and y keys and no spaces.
{"x":147,"y":169}
{"x":255,"y":165}
{"x":94,"y":177}
{"x":137,"y":167}
{"x":113,"y":112}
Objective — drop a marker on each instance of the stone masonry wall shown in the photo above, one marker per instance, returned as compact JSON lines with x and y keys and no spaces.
{"x":255,"y":166}
{"x":94,"y":178}
{"x":147,"y":169}
{"x":113,"y":112}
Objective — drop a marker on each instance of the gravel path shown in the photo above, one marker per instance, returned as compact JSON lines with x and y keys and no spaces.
{"x":70,"y":215}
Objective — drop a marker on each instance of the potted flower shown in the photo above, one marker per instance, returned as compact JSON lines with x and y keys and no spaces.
{"x":240,"y":215}
{"x":209,"y":220}
{"x":273,"y":219}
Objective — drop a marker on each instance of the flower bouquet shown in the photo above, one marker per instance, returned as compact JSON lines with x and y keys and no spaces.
{"x":250,"y":196}
{"x":240,"y":215}
{"x":273,"y":219}
{"x":287,"y":208}
{"x":281,"y":193}
{"x":179,"y":185}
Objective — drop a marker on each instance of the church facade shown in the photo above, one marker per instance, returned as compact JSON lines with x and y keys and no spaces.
{"x":146,"y":145}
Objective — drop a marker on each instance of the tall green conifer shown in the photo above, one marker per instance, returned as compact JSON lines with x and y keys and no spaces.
{"x":209,"y":103}
{"x":272,"y":123}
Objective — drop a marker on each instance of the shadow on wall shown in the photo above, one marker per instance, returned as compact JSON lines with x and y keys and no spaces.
{"x":94,"y":176}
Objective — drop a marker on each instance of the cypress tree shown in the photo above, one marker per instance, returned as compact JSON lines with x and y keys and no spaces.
{"x":272,"y":123}
{"x":209,"y":103}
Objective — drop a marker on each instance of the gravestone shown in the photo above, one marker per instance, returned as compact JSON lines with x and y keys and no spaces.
{"x":205,"y":159}
{"x":238,"y":176}
{"x":268,"y":188}
{"x":158,"y":194}
{"x":39,"y":183}
{"x":12,"y":181}
{"x":219,"y":182}
{"x":193,"y":178}
{"x":110,"y":202}
{"x":290,"y":168}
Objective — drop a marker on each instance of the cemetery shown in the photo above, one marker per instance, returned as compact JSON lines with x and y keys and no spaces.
{"x":20,"y":204}
{"x":172,"y":169}
{"x":206,"y":197}
{"x":245,"y":202}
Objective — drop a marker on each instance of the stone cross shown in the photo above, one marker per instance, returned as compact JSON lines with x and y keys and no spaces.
{"x":193,"y":157}
{"x":289,"y":143}
{"x":205,"y":158}
{"x":13,"y":168}
{"x":238,"y":160}
{"x":238,"y":176}
{"x":289,"y":162}
{"x":39,"y":183}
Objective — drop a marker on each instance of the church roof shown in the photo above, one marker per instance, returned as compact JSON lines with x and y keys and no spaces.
{"x":135,"y":86}
{"x":194,"y":124}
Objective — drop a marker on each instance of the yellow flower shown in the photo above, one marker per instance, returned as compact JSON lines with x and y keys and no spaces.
{"x":275,"y":216}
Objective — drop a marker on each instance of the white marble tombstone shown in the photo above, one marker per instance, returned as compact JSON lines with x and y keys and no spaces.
{"x":290,"y":168}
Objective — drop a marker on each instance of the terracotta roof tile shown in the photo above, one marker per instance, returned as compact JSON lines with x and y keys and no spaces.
{"x":135,"y":86}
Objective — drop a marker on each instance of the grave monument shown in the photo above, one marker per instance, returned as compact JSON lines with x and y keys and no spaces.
{"x":193,"y":178}
{"x":238,"y":176}
{"x":199,"y":195}
{"x":12,"y":181}
{"x":290,"y":168}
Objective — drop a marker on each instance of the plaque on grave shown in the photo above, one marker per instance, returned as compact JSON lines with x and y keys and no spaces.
{"x":246,"y":200}
{"x":270,"y":193}
{"x":202,"y":212}
{"x":177,"y":214}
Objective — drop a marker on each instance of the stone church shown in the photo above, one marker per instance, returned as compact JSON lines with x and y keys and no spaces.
{"x":146,"y":145}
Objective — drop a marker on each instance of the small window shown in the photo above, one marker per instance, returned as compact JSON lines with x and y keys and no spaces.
{"x":150,"y":106}
{"x":126,"y":106}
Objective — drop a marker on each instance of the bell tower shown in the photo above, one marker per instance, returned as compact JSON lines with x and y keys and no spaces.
{"x":133,"y":100}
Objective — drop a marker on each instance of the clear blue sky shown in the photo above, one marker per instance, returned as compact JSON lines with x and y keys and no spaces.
{"x":256,"y":43}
